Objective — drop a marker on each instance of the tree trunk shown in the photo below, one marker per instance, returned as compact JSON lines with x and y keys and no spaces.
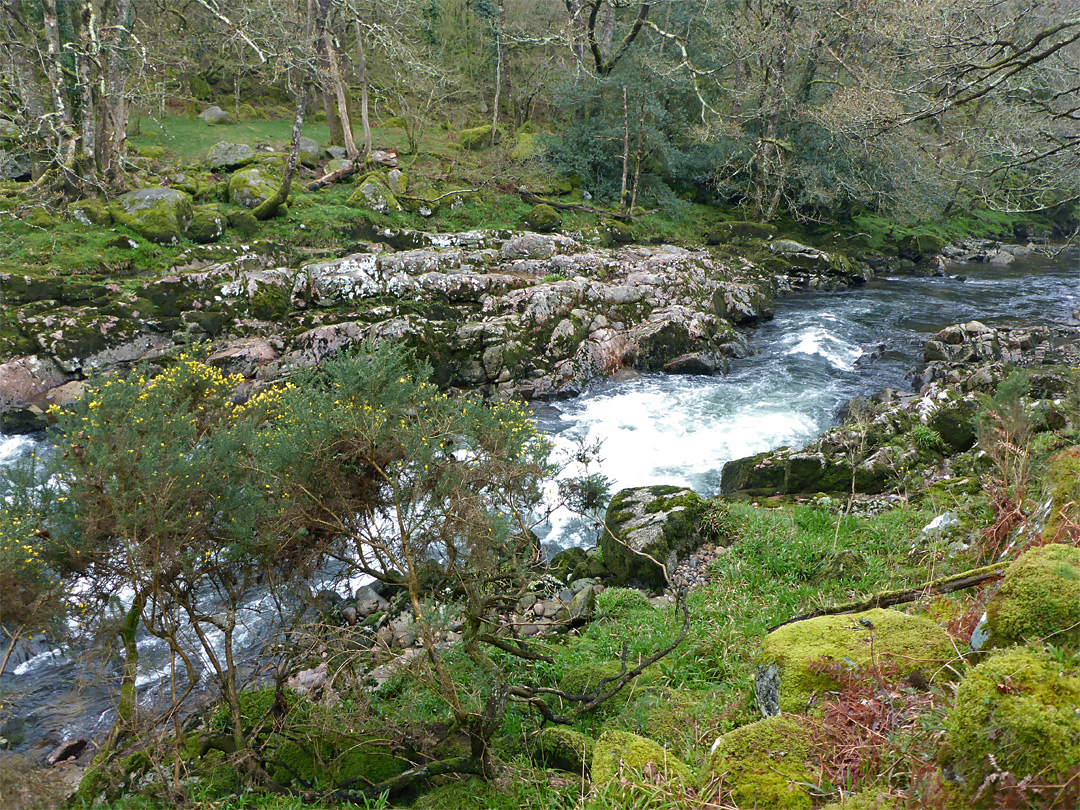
{"x":112,"y":119}
{"x":65,"y":135}
{"x":361,"y":67}
{"x":271,"y":206}
{"x":625,"y":151}
{"x":338,"y":82}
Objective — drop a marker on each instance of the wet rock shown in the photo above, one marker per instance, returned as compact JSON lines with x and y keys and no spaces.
{"x":68,"y":749}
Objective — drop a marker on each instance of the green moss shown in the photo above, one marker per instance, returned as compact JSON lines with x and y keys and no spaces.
{"x":542,"y":218}
{"x":622,"y":754}
{"x":765,"y":764}
{"x":475,"y":138}
{"x":619,"y":603}
{"x":251,"y":187}
{"x":563,"y":748}
{"x":886,"y":637}
{"x":585,"y":678}
{"x":1063,"y":479}
{"x":1040,"y":598}
{"x":208,"y":224}
{"x":161,"y":215}
{"x":864,"y":800}
{"x":1019,"y":707}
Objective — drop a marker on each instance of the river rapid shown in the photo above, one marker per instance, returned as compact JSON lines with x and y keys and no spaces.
{"x":820,"y":351}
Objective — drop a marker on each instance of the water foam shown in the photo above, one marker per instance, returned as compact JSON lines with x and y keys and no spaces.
{"x":817,"y":341}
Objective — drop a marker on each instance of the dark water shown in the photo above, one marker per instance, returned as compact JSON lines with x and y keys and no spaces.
{"x":820,"y":351}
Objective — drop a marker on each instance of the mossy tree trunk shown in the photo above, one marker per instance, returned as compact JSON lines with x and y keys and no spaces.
{"x":269,"y":208}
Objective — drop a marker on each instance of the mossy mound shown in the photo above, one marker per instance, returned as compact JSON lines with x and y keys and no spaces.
{"x":252,"y":187}
{"x":542,"y":218}
{"x":91,"y":212}
{"x":898,"y":642}
{"x":564,"y":749}
{"x":476,"y":138}
{"x":1040,"y":598}
{"x":765,"y":764}
{"x":161,"y":215}
{"x":1020,"y":708}
{"x":373,"y":194}
{"x":1063,"y":475}
{"x":864,"y":800}
{"x":207,"y":224}
{"x":622,"y":754}
{"x":584,"y":679}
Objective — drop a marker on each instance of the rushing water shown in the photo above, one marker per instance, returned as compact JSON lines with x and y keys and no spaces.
{"x":820,"y":351}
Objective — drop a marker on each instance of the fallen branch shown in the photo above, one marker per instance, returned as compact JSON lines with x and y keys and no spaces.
{"x":440,"y":197}
{"x":527,"y":195}
{"x":951,"y":584}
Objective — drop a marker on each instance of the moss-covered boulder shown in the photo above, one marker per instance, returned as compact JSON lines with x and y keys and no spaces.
{"x":229,"y":156}
{"x":650,"y":527}
{"x":564,"y":749}
{"x":787,"y":679}
{"x":251,"y":187}
{"x":91,"y":212}
{"x":622,"y":754}
{"x":1019,"y":707}
{"x":215,"y":116}
{"x":309,"y":152}
{"x":864,"y":800}
{"x":767,"y":764}
{"x":740,"y":231}
{"x":208,"y":224}
{"x":476,"y":138}
{"x":1063,"y":477}
{"x":542,"y":218}
{"x":244,"y":222}
{"x":918,"y":246}
{"x":161,"y":215}
{"x":372,"y":193}
{"x":585,"y":679}
{"x":1040,"y":598}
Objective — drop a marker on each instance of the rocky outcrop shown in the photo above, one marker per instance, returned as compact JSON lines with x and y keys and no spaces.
{"x":512,"y":314}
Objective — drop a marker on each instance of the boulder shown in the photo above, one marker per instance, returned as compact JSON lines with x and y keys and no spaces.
{"x":563,"y":749}
{"x":91,"y":212}
{"x":542,"y":218}
{"x":918,"y":246}
{"x":15,"y":165}
{"x":337,"y":165}
{"x":767,"y":764}
{"x":229,"y":156}
{"x":161,"y":215}
{"x":208,"y":224}
{"x":528,"y":246}
{"x":309,"y":152}
{"x":252,"y":187}
{"x":1039,"y":598}
{"x":650,"y":527}
{"x":214,"y":116}
{"x":620,"y":754}
{"x":476,"y":138}
{"x":787,"y":680}
{"x":1016,"y":712}
{"x":373,"y":194}
{"x":244,"y":357}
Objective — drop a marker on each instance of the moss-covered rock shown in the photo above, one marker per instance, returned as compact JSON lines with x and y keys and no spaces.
{"x":372,"y":193}
{"x":208,"y":224}
{"x":309,"y":152}
{"x":476,"y":138}
{"x":1063,"y":478}
{"x":1020,"y":707}
{"x":161,"y":215}
{"x":864,"y":800}
{"x":563,"y":748}
{"x":767,"y":764}
{"x":1040,"y":598}
{"x":542,"y":218}
{"x":787,"y":682}
{"x":91,"y":212}
{"x":622,"y":754}
{"x":920,"y":245}
{"x":244,"y":222}
{"x":650,"y":527}
{"x":229,"y":156}
{"x":741,"y":231}
{"x":585,"y":679}
{"x":251,"y":187}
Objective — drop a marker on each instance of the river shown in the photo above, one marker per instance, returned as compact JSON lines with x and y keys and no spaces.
{"x":820,"y":351}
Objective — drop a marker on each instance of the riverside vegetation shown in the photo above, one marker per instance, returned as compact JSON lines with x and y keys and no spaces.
{"x":285,"y":500}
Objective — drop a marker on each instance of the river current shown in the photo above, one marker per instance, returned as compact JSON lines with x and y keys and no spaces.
{"x":821,"y":350}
